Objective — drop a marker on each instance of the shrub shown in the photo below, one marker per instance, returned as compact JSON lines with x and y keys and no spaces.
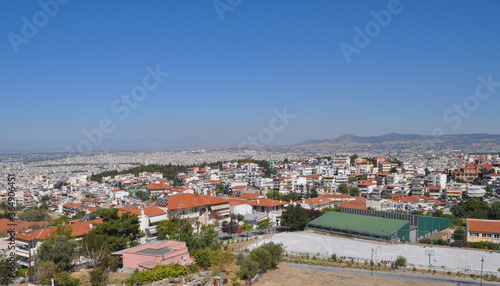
{"x":482,"y":245}
{"x":160,"y":272}
{"x":334,"y":257}
{"x":400,"y":262}
{"x":248,"y":268}
{"x":64,"y":278}
{"x":97,"y":277}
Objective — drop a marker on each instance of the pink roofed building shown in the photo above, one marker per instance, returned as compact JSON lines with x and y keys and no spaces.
{"x":158,"y":252}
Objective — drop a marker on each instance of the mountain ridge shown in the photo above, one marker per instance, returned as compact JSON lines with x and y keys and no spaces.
{"x":397,"y":137}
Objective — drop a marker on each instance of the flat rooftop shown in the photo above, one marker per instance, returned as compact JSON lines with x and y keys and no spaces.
{"x":359,"y":223}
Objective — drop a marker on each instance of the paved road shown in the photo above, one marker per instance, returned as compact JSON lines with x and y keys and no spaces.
{"x":425,"y":278}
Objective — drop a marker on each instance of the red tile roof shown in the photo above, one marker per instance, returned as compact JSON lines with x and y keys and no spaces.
{"x":158,"y":186}
{"x":246,"y":196}
{"x":267,"y":203}
{"x":16,"y":224}
{"x":483,"y":225}
{"x":148,"y":211}
{"x":183,"y":201}
{"x":239,"y":187}
{"x":78,"y":230}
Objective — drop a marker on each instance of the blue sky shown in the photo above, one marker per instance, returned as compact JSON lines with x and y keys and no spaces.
{"x":227,"y":75}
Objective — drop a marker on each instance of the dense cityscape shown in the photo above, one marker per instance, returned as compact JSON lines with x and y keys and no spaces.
{"x":247,"y":195}
{"x":233,"y":142}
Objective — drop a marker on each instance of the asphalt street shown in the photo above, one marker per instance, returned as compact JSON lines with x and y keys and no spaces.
{"x":397,"y":275}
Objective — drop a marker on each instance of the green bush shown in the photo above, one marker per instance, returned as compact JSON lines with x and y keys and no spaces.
{"x":160,"y":272}
{"x":438,"y":241}
{"x":22,"y":272}
{"x":97,"y":277}
{"x":64,"y":278}
{"x":400,"y":261}
{"x":268,"y":255}
{"x":482,"y":245}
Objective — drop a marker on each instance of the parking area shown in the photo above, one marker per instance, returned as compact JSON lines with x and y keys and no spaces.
{"x":444,"y":259}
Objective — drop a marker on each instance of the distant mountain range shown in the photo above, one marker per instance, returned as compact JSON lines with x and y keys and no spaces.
{"x":457,"y":139}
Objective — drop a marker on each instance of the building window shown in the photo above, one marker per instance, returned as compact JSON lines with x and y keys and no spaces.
{"x":474,"y":234}
{"x":486,"y":235}
{"x":192,"y":210}
{"x":496,"y":235}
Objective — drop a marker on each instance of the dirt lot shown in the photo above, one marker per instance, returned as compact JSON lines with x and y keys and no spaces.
{"x":287,"y":276}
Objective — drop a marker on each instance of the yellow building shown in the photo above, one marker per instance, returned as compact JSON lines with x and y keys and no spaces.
{"x":483,"y":230}
{"x":455,"y":190}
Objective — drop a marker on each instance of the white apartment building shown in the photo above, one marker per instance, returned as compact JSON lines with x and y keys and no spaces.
{"x":475,"y":191}
{"x":436,"y":180}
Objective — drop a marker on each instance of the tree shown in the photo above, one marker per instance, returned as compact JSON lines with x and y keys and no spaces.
{"x":118,"y":231}
{"x":394,"y":170}
{"x":354,"y":190}
{"x":457,"y":211}
{"x":343,"y":188}
{"x":494,"y":210}
{"x":459,"y":234}
{"x":221,"y":260}
{"x":276,"y":251}
{"x":94,"y":249}
{"x":240,"y":217}
{"x":329,"y":209}
{"x":264,"y":224}
{"x":247,"y":226}
{"x":262,"y":257}
{"x":295,"y":217}
{"x":168,"y":229}
{"x":62,"y":251}
{"x":248,"y":267}
{"x":5,"y":268}
{"x":203,"y":257}
{"x":44,"y":271}
{"x":353,"y":158}
{"x":34,"y":214}
{"x":427,"y":172}
{"x":437,"y":213}
{"x":313,"y":214}
{"x":474,"y":208}
{"x":314,"y":193}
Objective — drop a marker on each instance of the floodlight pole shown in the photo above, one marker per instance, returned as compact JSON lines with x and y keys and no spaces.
{"x":482,"y":261}
{"x":371,"y":264}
